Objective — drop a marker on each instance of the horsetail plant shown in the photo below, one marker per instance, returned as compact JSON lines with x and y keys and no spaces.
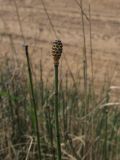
{"x":33,"y":101}
{"x":56,"y":53}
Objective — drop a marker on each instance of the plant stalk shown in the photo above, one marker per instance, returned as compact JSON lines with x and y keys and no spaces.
{"x":56,"y":114}
{"x":106,"y":134}
{"x":33,"y":101}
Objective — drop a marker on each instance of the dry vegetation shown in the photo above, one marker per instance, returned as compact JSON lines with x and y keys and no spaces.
{"x":89,"y":111}
{"x":66,"y":18}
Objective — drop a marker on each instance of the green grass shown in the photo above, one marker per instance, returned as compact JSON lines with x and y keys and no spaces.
{"x":18,"y":139}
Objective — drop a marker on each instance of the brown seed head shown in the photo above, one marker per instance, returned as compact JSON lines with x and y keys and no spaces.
{"x":57,"y":51}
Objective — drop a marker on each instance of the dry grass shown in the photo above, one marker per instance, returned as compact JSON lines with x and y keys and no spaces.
{"x":89,"y":118}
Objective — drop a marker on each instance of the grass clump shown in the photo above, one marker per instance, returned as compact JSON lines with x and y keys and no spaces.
{"x":18,"y":139}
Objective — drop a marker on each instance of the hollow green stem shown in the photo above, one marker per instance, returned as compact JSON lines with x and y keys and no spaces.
{"x":33,"y":101}
{"x":56,"y":114}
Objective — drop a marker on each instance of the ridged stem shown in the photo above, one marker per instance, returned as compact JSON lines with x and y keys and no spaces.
{"x":33,"y":101}
{"x":56,"y":114}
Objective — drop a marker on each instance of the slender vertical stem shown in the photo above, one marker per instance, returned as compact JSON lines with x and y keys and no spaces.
{"x":51,"y":134}
{"x":85,"y":76}
{"x":106,"y":128}
{"x":41,"y":84}
{"x":91,"y":46}
{"x":56,"y":114}
{"x":33,"y":101}
{"x":92,"y":78}
{"x":84,"y":49}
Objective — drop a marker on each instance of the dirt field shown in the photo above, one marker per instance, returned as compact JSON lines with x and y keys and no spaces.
{"x":66,"y":18}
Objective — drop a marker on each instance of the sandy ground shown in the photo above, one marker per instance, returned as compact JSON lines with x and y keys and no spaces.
{"x":66,"y":19}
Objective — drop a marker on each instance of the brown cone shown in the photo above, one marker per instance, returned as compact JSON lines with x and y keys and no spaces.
{"x":57,"y":51}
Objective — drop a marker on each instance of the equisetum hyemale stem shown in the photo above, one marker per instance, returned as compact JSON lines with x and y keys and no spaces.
{"x":56,"y":53}
{"x":33,"y":100}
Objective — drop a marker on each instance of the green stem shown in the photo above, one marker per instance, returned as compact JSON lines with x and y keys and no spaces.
{"x":56,"y":114}
{"x":51,"y":134}
{"x":106,"y":129}
{"x":33,"y":101}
